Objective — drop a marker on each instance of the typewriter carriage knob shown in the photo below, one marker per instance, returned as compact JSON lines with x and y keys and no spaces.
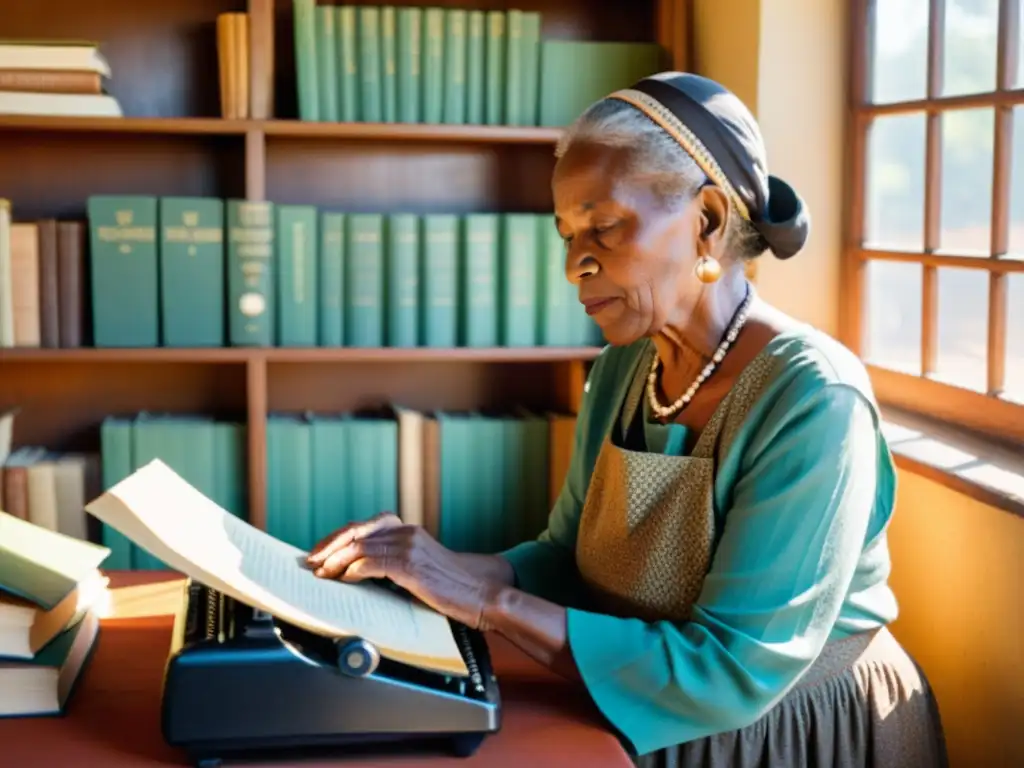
{"x":357,"y":657}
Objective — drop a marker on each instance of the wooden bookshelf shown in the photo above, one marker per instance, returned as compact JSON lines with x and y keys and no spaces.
{"x":184,"y":126}
{"x":173,"y":142}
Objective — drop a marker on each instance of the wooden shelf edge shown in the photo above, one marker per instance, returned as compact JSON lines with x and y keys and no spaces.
{"x":124,"y":125}
{"x":301,"y":355}
{"x":497,"y":134}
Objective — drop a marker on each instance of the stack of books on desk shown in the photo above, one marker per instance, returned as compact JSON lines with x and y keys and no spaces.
{"x":51,"y":596}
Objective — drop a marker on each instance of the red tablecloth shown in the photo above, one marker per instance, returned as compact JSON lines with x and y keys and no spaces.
{"x":113,"y":719}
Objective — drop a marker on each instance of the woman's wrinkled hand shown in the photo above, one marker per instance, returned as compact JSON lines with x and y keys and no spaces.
{"x":385,"y":547}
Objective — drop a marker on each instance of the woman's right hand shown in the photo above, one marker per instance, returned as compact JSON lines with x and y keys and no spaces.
{"x":387,"y":548}
{"x":344,"y":536}
{"x":405,"y":546}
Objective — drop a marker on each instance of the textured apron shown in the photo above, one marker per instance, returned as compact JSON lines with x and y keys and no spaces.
{"x":645,"y":543}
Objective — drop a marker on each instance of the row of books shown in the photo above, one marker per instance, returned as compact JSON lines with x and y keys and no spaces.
{"x":52,"y":595}
{"x":205,"y":272}
{"x":416,"y":65}
{"x":43,"y":282}
{"x":451,"y":66}
{"x":478,"y":482}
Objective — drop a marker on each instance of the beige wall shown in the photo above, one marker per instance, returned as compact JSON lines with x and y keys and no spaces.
{"x":958,"y":570}
{"x":958,"y":565}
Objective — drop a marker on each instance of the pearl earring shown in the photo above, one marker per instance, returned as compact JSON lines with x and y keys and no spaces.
{"x":707,"y":269}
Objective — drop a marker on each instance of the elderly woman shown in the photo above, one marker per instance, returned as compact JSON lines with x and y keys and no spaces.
{"x":715,"y":568}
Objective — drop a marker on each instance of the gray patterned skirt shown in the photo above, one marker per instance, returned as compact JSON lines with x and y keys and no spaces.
{"x":863,"y":704}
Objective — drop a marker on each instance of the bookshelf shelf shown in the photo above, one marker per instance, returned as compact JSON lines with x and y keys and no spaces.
{"x":301,"y":355}
{"x":480,"y":134}
{"x":164,"y":61}
{"x":126,"y":125}
{"x":185,"y":126}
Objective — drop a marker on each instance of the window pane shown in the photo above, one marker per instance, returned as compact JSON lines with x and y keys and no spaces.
{"x":963,"y":328}
{"x":894,"y":316}
{"x":900,"y":66}
{"x":967,"y":141}
{"x":969,"y":53}
{"x":894,"y":187}
{"x":1016,"y":243}
{"x":1014,"y":387}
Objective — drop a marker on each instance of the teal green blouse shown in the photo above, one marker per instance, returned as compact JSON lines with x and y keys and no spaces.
{"x":802,"y":500}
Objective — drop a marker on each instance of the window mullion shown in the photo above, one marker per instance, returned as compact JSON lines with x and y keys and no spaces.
{"x":932,"y":189}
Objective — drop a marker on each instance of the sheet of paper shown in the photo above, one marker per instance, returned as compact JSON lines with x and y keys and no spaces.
{"x":161,"y":512}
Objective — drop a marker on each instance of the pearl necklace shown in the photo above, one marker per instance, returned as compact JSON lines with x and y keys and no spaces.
{"x":664,"y":412}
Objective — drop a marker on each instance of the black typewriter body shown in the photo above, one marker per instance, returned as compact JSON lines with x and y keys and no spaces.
{"x":240,"y":683}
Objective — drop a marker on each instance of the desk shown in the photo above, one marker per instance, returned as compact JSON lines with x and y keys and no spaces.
{"x":113,"y":718}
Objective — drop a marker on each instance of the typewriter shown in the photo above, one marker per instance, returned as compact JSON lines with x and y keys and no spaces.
{"x":239,"y":682}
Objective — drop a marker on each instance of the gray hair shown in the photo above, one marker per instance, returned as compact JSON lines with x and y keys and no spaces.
{"x":654,"y":155}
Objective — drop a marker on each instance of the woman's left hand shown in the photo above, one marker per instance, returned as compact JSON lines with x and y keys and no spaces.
{"x":408,"y":556}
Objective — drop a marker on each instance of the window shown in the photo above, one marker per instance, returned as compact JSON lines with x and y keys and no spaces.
{"x":934,"y":271}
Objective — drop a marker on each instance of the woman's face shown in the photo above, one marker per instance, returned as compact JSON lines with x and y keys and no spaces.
{"x":631,"y":257}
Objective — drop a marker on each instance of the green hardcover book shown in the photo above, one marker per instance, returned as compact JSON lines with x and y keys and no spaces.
{"x":381,"y":434}
{"x":475,"y":67}
{"x":512,"y":466}
{"x":329,"y":473}
{"x":371,"y":92}
{"x":364,"y":280}
{"x":327,"y":63}
{"x":478,"y":292}
{"x":574,"y":74}
{"x":439,"y":280}
{"x":348,"y":64}
{"x":115,"y":466}
{"x":192,"y":271}
{"x":410,"y":64}
{"x":457,"y":512}
{"x":251,"y":271}
{"x":125,"y":270}
{"x":367,"y":474}
{"x":43,"y":566}
{"x":304,"y":23}
{"x":389,"y":63}
{"x":402,"y":279}
{"x":519,"y":258}
{"x":296,"y":304}
{"x":433,"y":65}
{"x":557,"y":295}
{"x":495,"y":51}
{"x":230,"y":460}
{"x":533,"y":517}
{"x":332,"y":279}
{"x":455,"y":42}
{"x":289,"y":480}
{"x":530,"y":67}
{"x":514,"y":68}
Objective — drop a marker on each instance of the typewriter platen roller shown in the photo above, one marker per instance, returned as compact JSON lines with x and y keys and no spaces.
{"x":238,"y":681}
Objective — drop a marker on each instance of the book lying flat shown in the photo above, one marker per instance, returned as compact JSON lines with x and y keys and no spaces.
{"x":42,"y":685}
{"x":25,"y":628}
{"x":43,"y":566}
{"x":165,"y":515}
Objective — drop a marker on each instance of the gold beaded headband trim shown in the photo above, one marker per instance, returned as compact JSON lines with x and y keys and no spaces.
{"x":675,"y":128}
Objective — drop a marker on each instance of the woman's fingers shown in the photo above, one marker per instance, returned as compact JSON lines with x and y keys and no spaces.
{"x":366,"y":568}
{"x":344,"y":536}
{"x":381,"y":546}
